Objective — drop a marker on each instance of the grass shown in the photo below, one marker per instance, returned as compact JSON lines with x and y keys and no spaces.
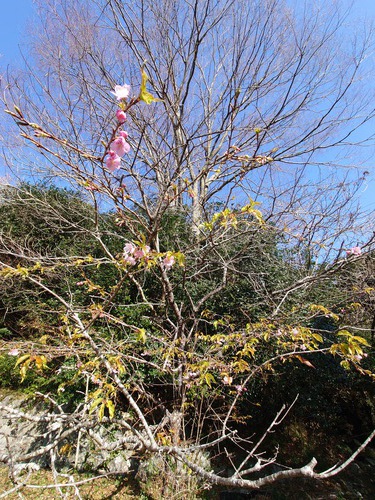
{"x":357,"y":482}
{"x":101,"y":488}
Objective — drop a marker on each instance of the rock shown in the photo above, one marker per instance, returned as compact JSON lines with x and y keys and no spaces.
{"x":19,"y":436}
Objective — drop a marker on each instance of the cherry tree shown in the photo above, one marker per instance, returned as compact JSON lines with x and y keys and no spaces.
{"x":207,"y":140}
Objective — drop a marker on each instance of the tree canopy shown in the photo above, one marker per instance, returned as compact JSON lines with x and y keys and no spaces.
{"x":193,"y":232}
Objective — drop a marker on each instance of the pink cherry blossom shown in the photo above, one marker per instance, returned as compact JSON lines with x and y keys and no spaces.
{"x":142,"y":252}
{"x":121,"y":92}
{"x":129,"y":248}
{"x":168,"y":262}
{"x":123,"y":134}
{"x":113,"y":161}
{"x":354,"y":251}
{"x":92,"y":187}
{"x":96,"y":380}
{"x":121,"y":116}
{"x":139,"y":253}
{"x":120,"y":146}
{"x":129,"y":259}
{"x":13,"y":352}
{"x":240,"y":389}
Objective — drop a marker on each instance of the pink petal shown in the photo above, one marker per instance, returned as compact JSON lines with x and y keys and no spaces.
{"x":121,"y":92}
{"x":120,"y":146}
{"x":113,"y":161}
{"x":121,"y":116}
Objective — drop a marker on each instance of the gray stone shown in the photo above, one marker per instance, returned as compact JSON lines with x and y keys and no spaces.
{"x":19,"y":436}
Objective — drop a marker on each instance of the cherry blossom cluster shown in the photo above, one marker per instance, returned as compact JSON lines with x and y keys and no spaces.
{"x":354,"y":251}
{"x":228,"y":380}
{"x":133,"y":255}
{"x":119,"y":147}
{"x":168,"y":262}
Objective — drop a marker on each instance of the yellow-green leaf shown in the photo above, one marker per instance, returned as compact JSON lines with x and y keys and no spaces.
{"x":144,"y":95}
{"x":209,"y":378}
{"x":95,"y":404}
{"x":23,"y":371}
{"x":41,"y":362}
{"x":361,"y":340}
{"x":317,"y":337}
{"x":111,"y":408}
{"x":101,"y":411}
{"x":345,"y":364}
{"x":241,"y":366}
{"x":141,"y":335}
{"x":21,"y":359}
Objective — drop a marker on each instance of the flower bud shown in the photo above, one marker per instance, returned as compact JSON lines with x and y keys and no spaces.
{"x":121,"y":116}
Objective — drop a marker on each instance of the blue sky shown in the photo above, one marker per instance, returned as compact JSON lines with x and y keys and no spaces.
{"x":15,"y":20}
{"x":14,"y":15}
